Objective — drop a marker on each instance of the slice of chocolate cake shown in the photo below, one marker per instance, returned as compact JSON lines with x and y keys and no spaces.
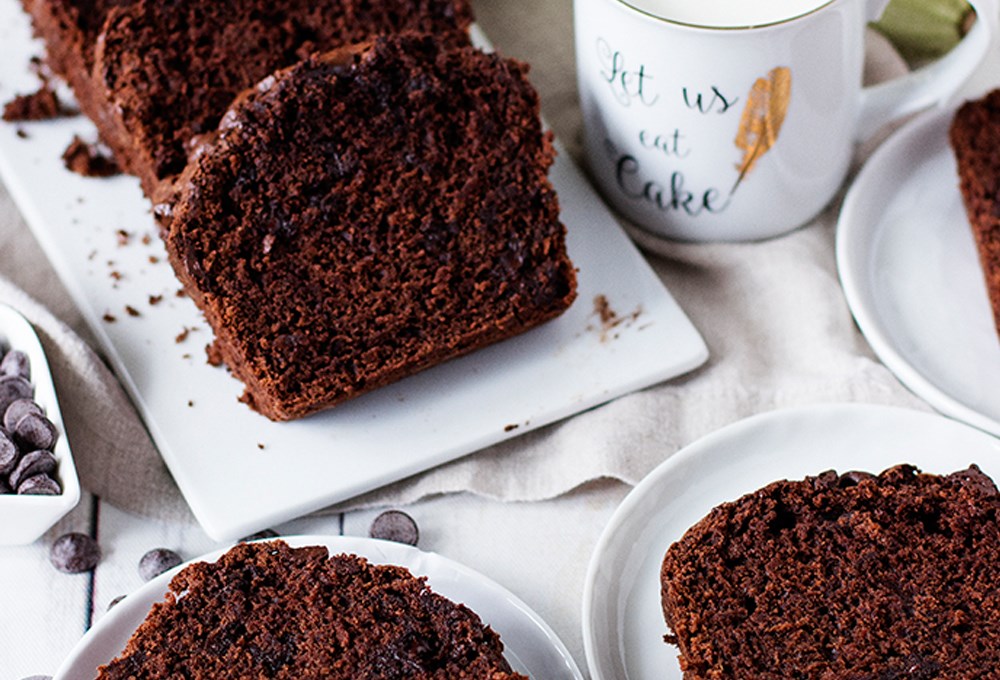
{"x":265,"y":610}
{"x":166,"y":70}
{"x":975,"y":139}
{"x":368,"y":213}
{"x":849,"y":576}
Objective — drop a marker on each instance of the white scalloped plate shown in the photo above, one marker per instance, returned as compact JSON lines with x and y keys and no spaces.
{"x":530,"y":646}
{"x":623,"y":625}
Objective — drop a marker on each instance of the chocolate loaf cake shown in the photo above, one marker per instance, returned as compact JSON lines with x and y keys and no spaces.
{"x":152,"y":74}
{"x":265,"y":610}
{"x":368,"y":213}
{"x":975,"y":139}
{"x":166,"y":70}
{"x":842,"y":576}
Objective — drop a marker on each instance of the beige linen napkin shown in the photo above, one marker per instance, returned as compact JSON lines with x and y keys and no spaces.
{"x":772,"y":313}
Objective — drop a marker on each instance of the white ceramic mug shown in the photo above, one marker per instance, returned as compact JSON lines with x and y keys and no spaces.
{"x":731,"y":131}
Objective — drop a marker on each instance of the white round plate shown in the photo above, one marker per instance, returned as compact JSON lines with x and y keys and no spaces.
{"x":623,"y":624}
{"x":530,"y":645}
{"x":911,"y":274}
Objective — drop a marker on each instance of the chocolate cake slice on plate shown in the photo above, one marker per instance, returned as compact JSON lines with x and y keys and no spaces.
{"x":368,"y":213}
{"x":841,"y":576}
{"x":975,"y":139}
{"x":265,"y":610}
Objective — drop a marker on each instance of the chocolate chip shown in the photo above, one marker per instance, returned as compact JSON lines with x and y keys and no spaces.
{"x":75,"y":553}
{"x":35,"y":432}
{"x":853,"y":478}
{"x":18,"y":410}
{"x":12,"y":388}
{"x":393,"y":525}
{"x":157,"y":561}
{"x":114,"y":602}
{"x":9,"y":454}
{"x":39,"y":485}
{"x":31,"y":464}
{"x":16,"y":362}
{"x":260,"y":535}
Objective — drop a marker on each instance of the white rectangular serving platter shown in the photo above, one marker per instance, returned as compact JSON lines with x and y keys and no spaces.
{"x":240,"y":472}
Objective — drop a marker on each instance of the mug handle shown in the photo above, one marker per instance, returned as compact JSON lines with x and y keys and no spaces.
{"x":931,"y":84}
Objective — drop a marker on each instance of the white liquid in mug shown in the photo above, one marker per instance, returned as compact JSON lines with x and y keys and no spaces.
{"x":727,"y":13}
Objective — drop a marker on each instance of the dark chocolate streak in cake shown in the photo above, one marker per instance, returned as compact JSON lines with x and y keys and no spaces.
{"x":366,"y":214}
{"x":170,"y":68}
{"x":265,"y":610}
{"x":836,"y":577}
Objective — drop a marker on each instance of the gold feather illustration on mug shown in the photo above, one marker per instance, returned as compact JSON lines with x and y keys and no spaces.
{"x":762,"y":118}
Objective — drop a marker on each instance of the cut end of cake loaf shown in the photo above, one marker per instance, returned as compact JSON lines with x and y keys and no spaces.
{"x":841,"y":576}
{"x":975,"y":139}
{"x":366,"y":214}
{"x":266,"y":610}
{"x":168,"y":70}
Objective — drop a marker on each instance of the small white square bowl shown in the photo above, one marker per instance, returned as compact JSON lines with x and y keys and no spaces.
{"x":24,"y":519}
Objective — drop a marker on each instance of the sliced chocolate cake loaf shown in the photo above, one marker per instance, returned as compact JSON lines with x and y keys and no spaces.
{"x":166,"y":70}
{"x":265,"y":610}
{"x":368,"y":213}
{"x":975,"y":139}
{"x":850,"y":576}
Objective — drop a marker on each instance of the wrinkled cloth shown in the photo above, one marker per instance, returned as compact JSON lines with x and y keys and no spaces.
{"x":772,"y":313}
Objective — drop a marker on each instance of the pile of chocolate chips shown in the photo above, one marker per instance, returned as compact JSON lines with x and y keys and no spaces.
{"x":27,"y":437}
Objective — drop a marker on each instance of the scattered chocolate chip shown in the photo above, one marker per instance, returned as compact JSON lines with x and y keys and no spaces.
{"x":18,"y":410}
{"x":75,"y":553}
{"x":35,"y":432}
{"x":39,"y":485}
{"x":114,"y":602}
{"x":31,"y":464}
{"x":9,"y":454}
{"x":16,"y":362}
{"x":260,"y":536}
{"x":157,"y":561}
{"x":394,"y":525}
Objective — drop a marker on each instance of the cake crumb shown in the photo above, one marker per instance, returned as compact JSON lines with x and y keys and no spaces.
{"x":21,"y":133}
{"x":40,"y":105}
{"x":109,"y":318}
{"x":183,"y":335}
{"x":153,"y":259}
{"x":89,"y":160}
{"x":610,"y":319}
{"x":132,"y":311}
{"x":190,"y":403}
{"x":123,"y":237}
{"x":260,"y":446}
{"x":146,"y":239}
{"x":511,"y":427}
{"x":155,"y":300}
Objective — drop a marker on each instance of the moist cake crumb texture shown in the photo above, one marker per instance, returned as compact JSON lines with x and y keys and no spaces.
{"x":265,"y":610}
{"x":841,"y":576}
{"x":368,"y":213}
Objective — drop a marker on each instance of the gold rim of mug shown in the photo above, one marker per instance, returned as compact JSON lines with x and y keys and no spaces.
{"x":628,"y":4}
